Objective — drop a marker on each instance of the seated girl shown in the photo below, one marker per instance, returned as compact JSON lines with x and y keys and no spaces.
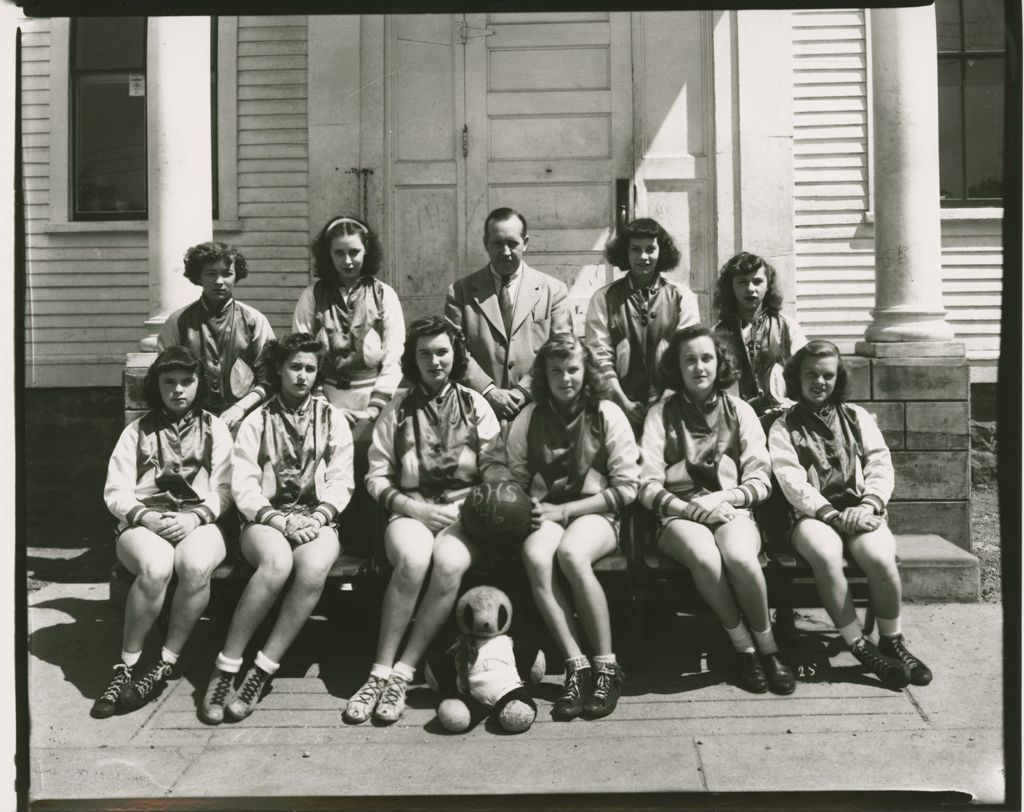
{"x":431,"y":445}
{"x":168,"y":480}
{"x":229,"y":337}
{"x":630,"y":321}
{"x":358,"y":319}
{"x":705,"y":465}
{"x":834,"y":468}
{"x":292,"y":476}
{"x":574,"y":453}
{"x":753,"y":329}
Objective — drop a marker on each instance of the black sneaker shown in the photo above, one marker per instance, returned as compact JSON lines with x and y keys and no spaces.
{"x":249,"y":693}
{"x":105,"y":706}
{"x":216,"y":697}
{"x":896,"y":648}
{"x":579,"y":682}
{"x":751,"y":676}
{"x":778,"y":673}
{"x":607,"y":689}
{"x":892,"y":672}
{"x":150,"y":684}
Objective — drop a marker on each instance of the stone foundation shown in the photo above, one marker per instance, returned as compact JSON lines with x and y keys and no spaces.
{"x":923,"y":410}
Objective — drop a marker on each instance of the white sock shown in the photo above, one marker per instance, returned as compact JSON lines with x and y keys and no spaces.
{"x":851,"y":632}
{"x":403,"y":670}
{"x":380,"y":670}
{"x":227,"y":665}
{"x":168,"y":656}
{"x":576,"y":663}
{"x":129,"y":658}
{"x":765,"y":641}
{"x":741,"y":639}
{"x":604,"y":659}
{"x":888,"y":628}
{"x":264,"y":663}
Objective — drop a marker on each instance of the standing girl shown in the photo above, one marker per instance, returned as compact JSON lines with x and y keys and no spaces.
{"x":227,"y":335}
{"x":705,"y":465}
{"x":431,"y":445}
{"x":167,"y":482}
{"x":754,"y":330}
{"x":574,"y":453}
{"x":630,"y":321}
{"x":292,"y":476}
{"x":357,"y":318}
{"x":834,"y":468}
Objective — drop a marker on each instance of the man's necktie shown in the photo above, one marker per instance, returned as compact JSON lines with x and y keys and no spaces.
{"x":505,"y":303}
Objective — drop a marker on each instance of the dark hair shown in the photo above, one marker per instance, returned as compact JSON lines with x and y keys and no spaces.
{"x":428,"y":327}
{"x":617,"y":249}
{"x":668,"y":366}
{"x":277,"y":353}
{"x":342,"y":226}
{"x":560,"y":346}
{"x":170,"y":359}
{"x":740,"y":265}
{"x":501,"y":214}
{"x":203,"y":254}
{"x":815,"y":348}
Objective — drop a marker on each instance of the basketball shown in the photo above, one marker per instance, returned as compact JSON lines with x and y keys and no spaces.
{"x":497,"y":514}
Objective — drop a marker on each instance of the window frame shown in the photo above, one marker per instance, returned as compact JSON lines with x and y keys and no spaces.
{"x":962,"y":55}
{"x":60,"y":220}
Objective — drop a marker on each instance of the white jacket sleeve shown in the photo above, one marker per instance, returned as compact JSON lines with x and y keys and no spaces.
{"x":390,"y":375}
{"x":755,"y":464}
{"x":246,"y":475}
{"x":792,"y":476}
{"x":879,"y":476}
{"x":491,"y":455}
{"x":305,"y":313}
{"x":623,"y":458}
{"x":122,"y":477}
{"x":382,"y":472}
{"x":218,"y":499}
{"x":597,"y":335}
{"x":516,"y":448}
{"x":797,"y":338}
{"x":339,"y":479}
{"x":689,"y":312}
{"x":653,"y":494}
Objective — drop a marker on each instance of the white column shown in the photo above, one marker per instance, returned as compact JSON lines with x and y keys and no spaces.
{"x":178,"y":160}
{"x":905,"y":150}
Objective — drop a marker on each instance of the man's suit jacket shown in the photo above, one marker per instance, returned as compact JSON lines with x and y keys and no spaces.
{"x":540,"y":311}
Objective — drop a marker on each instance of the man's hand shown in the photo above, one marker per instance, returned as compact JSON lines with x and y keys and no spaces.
{"x":505,"y":402}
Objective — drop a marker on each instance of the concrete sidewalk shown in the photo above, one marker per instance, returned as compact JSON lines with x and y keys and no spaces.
{"x":678,"y":728}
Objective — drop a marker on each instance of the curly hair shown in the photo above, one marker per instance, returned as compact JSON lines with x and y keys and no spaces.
{"x":323,"y":265}
{"x":173,"y":358}
{"x":740,"y":265}
{"x":276,"y":355}
{"x":199,"y":256}
{"x":617,"y":249}
{"x":428,"y":327}
{"x":562,"y":346}
{"x":502,"y":214}
{"x":668,"y":365}
{"x":815,"y":348}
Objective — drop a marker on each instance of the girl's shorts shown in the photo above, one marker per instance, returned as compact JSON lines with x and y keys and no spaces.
{"x":663,"y":521}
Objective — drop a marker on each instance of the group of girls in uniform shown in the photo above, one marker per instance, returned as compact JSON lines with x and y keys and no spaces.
{"x":651,"y":408}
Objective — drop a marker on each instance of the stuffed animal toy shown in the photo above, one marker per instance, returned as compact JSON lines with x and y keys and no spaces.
{"x":483,"y":673}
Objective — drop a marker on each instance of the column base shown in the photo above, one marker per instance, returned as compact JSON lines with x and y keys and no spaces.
{"x":911,"y":349}
{"x":908,"y":324}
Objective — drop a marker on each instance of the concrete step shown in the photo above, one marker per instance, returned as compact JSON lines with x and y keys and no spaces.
{"x":933,"y":569}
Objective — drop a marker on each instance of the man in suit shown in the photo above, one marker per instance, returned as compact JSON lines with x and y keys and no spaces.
{"x":506,"y":310}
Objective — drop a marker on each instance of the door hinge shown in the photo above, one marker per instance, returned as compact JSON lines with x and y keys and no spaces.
{"x":465,"y":140}
{"x":464,"y":32}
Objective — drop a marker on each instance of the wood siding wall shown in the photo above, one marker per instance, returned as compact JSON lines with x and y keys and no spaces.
{"x":834,"y":239}
{"x":87,"y":289}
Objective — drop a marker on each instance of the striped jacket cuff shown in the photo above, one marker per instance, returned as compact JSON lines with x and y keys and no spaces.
{"x":203,"y":512}
{"x":827,"y":514}
{"x":327,"y":511}
{"x":379,"y":399}
{"x":267,"y":514}
{"x":134,"y":516}
{"x":873,"y":502}
{"x":388,"y":496}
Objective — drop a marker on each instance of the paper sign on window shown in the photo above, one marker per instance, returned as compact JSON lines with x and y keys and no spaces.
{"x":136,"y":84}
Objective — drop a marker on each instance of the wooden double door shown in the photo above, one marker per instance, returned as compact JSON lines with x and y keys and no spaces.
{"x":531,"y":111}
